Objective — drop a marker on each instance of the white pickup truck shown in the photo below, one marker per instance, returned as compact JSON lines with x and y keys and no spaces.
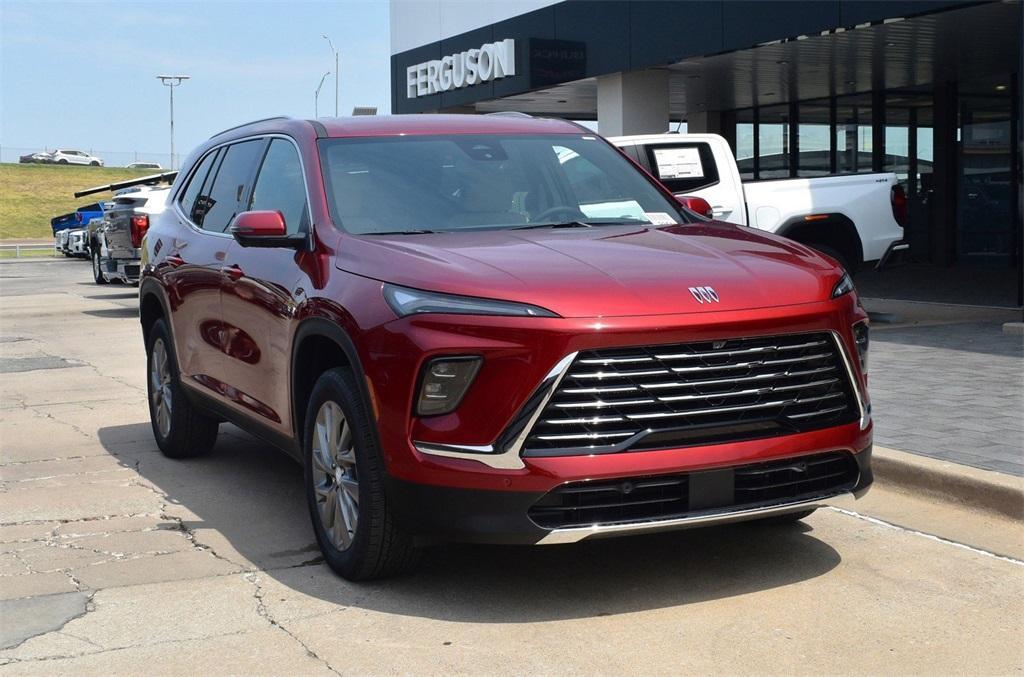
{"x":853,"y":218}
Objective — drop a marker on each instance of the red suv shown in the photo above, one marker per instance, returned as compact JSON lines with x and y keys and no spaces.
{"x":494,"y":329}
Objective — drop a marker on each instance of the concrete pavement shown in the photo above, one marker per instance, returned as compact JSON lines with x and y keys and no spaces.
{"x":114,"y":559}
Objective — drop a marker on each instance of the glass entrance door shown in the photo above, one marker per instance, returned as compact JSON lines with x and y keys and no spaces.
{"x":985,"y":218}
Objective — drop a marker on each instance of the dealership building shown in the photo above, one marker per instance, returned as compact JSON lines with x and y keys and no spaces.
{"x":927,"y":89}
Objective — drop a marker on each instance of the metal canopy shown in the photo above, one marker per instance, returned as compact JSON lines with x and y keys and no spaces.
{"x":955,"y":45}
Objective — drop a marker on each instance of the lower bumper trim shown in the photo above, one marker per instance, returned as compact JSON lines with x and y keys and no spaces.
{"x":576,"y":534}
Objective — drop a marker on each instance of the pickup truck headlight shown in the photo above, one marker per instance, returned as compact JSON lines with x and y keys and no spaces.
{"x":445,"y":380}
{"x":405,"y":301}
{"x":844,"y":286}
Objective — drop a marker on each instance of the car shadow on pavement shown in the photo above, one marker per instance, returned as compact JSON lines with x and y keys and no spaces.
{"x":245,"y":500}
{"x":126,"y":311}
{"x":117,"y":296}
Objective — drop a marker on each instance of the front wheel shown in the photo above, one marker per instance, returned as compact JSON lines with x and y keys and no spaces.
{"x":97,"y":268}
{"x":181,"y":431}
{"x":344,"y":475}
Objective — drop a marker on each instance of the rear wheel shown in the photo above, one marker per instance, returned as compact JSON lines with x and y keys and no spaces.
{"x":94,"y":164}
{"x":97,"y":268}
{"x":62,"y":162}
{"x":181,"y":431}
{"x":344,"y":476}
{"x":834,"y":253}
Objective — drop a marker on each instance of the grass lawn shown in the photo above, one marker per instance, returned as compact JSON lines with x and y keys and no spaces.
{"x":31,"y":195}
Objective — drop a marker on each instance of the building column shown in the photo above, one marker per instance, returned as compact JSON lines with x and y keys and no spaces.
{"x":705,"y":122}
{"x":632,"y":103}
{"x":944,"y":175}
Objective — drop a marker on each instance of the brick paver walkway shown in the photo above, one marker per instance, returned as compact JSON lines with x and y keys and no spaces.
{"x":953,"y":391}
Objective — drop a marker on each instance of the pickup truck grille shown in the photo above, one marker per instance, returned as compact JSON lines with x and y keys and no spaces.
{"x":639,"y":499}
{"x":657,"y":397}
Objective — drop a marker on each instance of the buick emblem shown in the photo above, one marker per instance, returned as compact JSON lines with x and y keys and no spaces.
{"x":704,"y":294}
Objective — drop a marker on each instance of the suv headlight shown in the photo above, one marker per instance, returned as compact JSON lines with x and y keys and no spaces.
{"x":844,"y":286}
{"x":405,"y":301}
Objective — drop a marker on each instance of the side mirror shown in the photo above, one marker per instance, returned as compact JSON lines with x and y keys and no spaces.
{"x":696,"y":204}
{"x":264,"y":229}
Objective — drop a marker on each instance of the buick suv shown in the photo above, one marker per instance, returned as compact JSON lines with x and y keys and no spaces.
{"x":494,"y":329}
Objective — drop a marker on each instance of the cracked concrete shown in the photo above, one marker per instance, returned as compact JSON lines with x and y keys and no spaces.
{"x":114,"y":559}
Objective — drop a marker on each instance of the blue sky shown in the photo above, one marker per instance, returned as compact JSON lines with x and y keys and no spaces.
{"x":83,"y":74}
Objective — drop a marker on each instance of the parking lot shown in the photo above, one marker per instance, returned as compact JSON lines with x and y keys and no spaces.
{"x":114,"y":557}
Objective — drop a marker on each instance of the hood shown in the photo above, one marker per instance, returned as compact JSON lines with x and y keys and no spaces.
{"x":604,"y":271}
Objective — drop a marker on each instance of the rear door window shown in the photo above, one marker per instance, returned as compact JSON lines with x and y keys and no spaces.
{"x":683,"y":167}
{"x":224,"y":197}
{"x":280,"y":186}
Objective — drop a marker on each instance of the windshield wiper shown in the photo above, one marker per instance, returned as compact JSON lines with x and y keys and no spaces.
{"x":561,"y":224}
{"x":403,"y":232}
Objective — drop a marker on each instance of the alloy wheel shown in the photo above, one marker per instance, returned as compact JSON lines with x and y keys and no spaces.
{"x":160,"y":387}
{"x":335,"y":477}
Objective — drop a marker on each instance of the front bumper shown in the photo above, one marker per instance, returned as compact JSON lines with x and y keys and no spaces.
{"x":441,"y":514}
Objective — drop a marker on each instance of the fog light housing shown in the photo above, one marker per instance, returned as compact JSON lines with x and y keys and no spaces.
{"x":444,"y":382}
{"x":860,"y":337}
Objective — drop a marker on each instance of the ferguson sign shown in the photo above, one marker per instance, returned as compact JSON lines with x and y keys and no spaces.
{"x":465,"y":69}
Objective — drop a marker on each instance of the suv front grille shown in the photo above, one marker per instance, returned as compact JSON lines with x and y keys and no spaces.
{"x":640,"y":499}
{"x":657,"y":397}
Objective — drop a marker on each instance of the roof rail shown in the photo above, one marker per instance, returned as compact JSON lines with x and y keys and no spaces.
{"x":510,"y":114}
{"x":252,"y":122}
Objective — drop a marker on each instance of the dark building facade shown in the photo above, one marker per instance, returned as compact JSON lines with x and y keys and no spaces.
{"x":927,"y":89}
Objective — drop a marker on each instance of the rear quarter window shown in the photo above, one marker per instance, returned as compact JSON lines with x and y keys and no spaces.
{"x":683,"y":167}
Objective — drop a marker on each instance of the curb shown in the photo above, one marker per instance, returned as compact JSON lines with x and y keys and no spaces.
{"x":952,"y":482}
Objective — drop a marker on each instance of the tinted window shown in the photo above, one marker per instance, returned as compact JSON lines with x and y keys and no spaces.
{"x":218,"y":205}
{"x":280,"y":186}
{"x":195,"y":185}
{"x":683,"y":166}
{"x":484,"y":181}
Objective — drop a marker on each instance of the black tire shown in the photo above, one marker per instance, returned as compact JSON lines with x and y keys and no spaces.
{"x":97,"y":274}
{"x":94,"y":164}
{"x":62,"y":162}
{"x":189,"y":433}
{"x":834,"y":253}
{"x":377,"y":548}
{"x":787,"y":518}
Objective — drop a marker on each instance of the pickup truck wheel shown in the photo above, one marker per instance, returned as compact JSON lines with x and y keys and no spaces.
{"x":833,"y":252}
{"x":97,"y":268}
{"x":181,"y":431}
{"x":344,"y":475}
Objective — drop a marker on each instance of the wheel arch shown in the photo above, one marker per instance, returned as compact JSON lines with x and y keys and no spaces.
{"x":153,"y":307}
{"x":320,"y":344}
{"x":835,"y":230}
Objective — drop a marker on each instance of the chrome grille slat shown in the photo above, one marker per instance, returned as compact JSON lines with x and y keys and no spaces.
{"x":731,"y":389}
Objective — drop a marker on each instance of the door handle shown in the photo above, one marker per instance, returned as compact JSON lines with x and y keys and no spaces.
{"x":233,"y":272}
{"x":174,"y":261}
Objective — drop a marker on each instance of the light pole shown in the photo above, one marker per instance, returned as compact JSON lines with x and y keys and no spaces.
{"x":336,"y":73}
{"x":172,"y":81}
{"x":316,"y":96}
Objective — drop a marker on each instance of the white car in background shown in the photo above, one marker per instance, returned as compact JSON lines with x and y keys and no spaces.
{"x":74,"y":157}
{"x":853,"y":218}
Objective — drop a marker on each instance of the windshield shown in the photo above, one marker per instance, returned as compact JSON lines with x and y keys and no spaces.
{"x":476,"y":181}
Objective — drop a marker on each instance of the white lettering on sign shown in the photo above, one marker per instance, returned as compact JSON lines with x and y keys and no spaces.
{"x":492,"y":61}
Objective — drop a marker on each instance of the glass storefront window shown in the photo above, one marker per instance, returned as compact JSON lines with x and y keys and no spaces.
{"x":745,"y":143}
{"x":773,"y":143}
{"x":853,"y":134}
{"x":814,"y":139}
